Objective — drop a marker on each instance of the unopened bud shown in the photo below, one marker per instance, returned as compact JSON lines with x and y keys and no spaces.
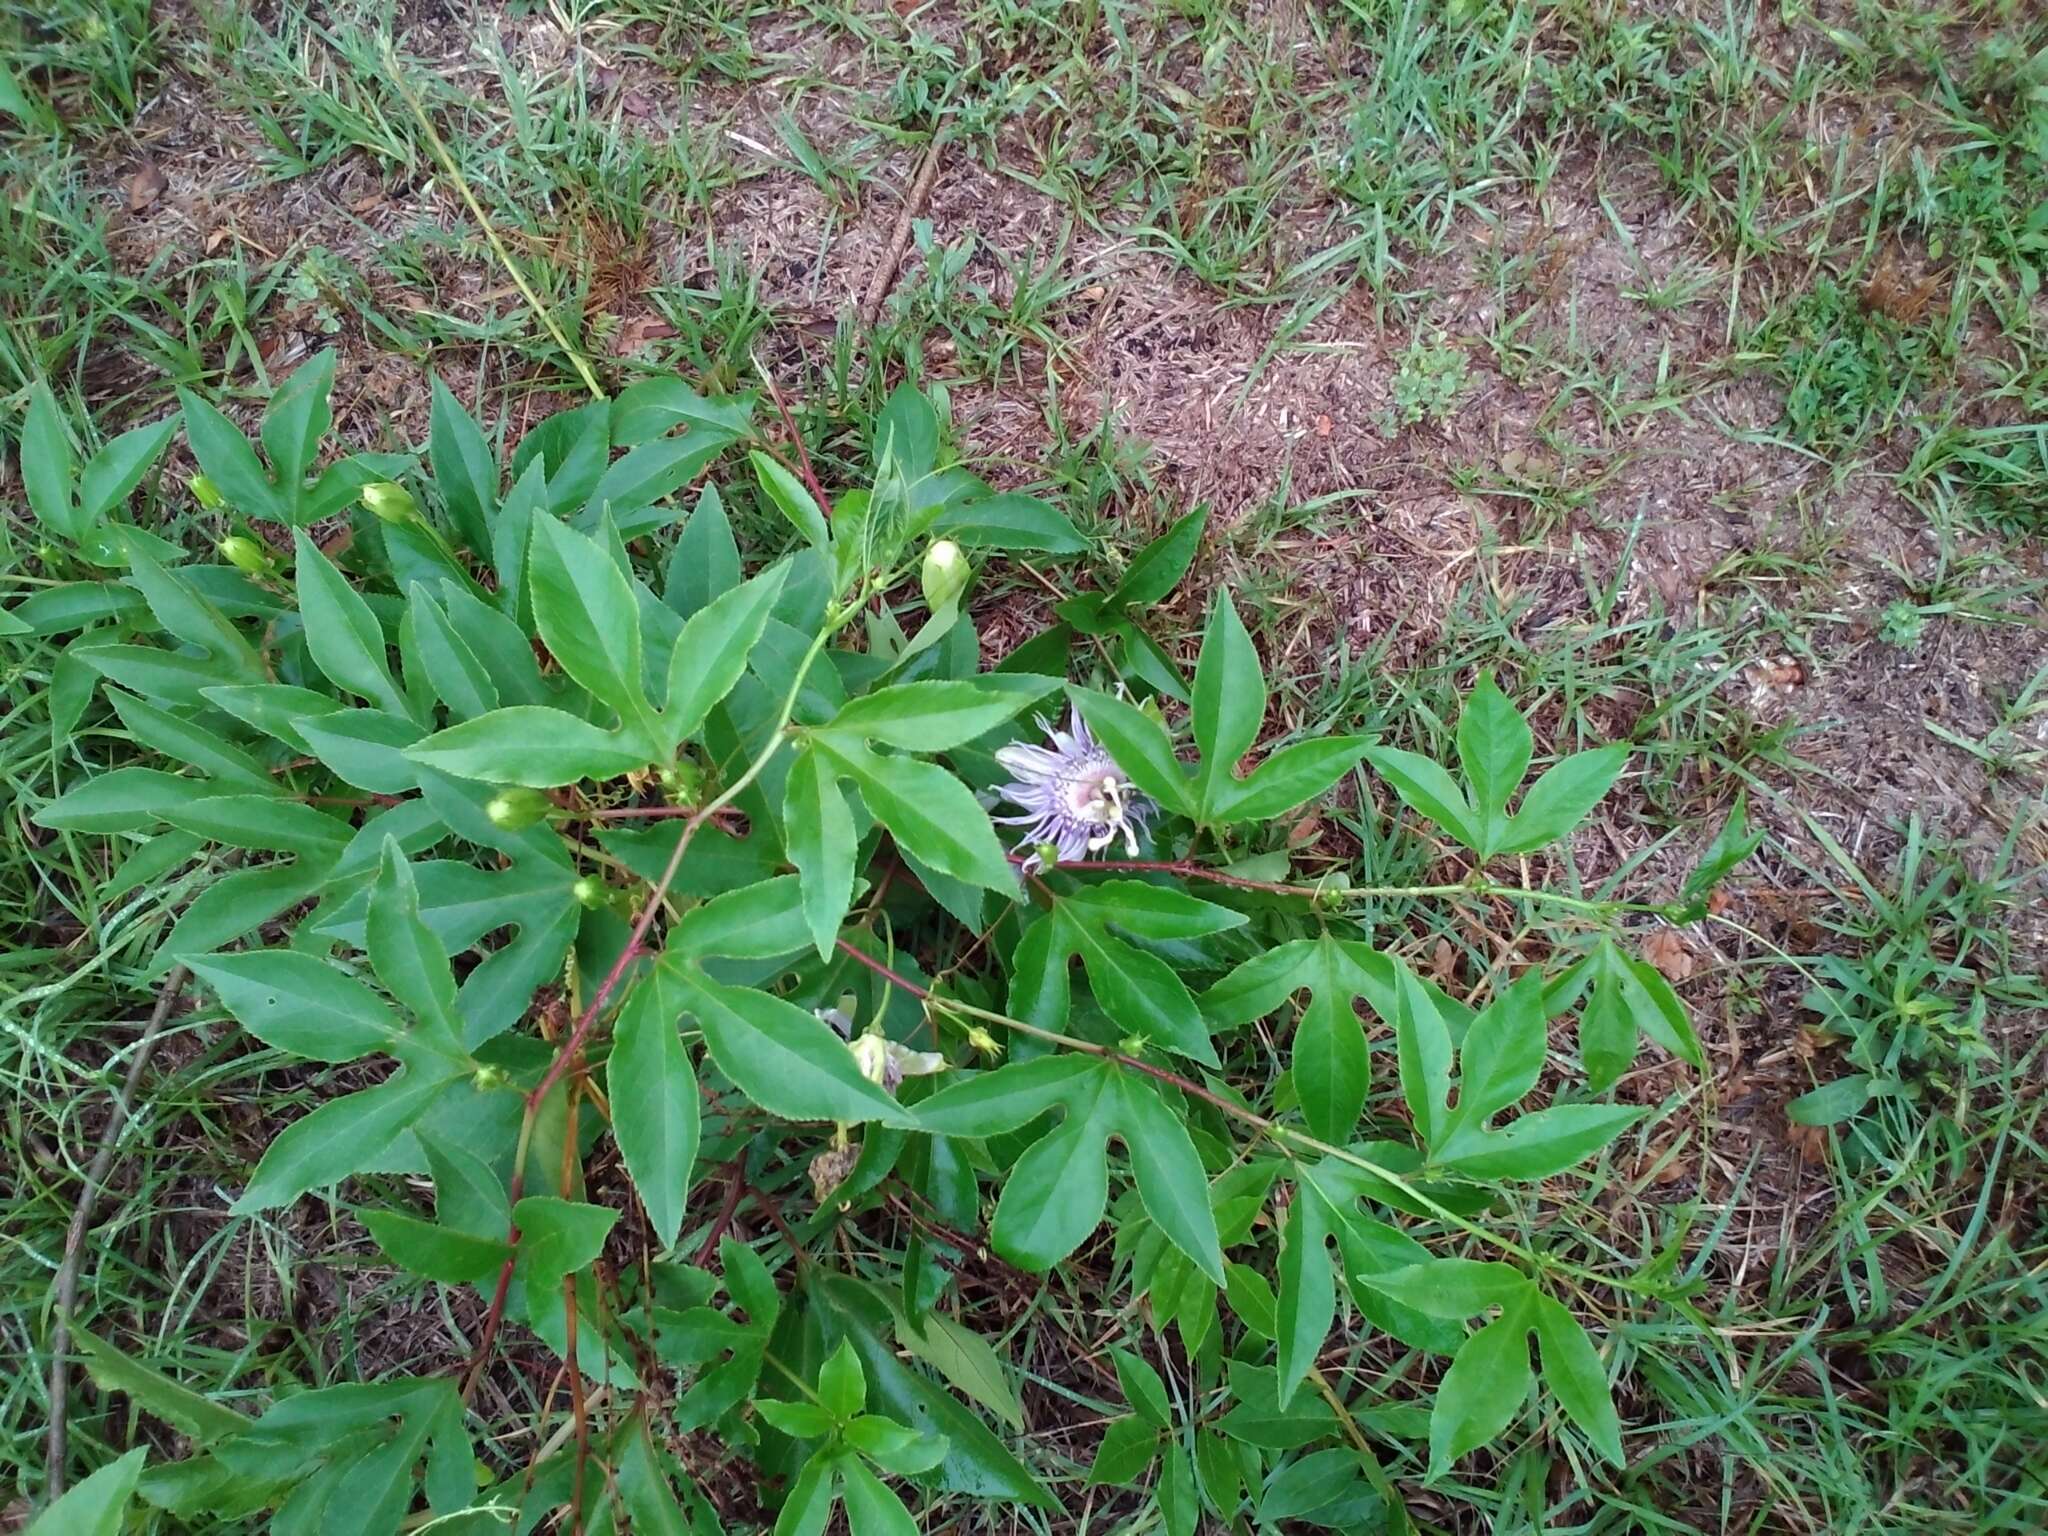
{"x":945,"y":574}
{"x":591,"y":892}
{"x":682,"y":784}
{"x":514,"y":810}
{"x":244,"y":555}
{"x":206,"y":493}
{"x":390,"y":502}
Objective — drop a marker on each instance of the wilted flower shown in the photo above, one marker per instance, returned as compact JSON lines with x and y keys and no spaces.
{"x":880,"y":1060}
{"x":830,"y":1167}
{"x":1073,"y":795}
{"x":840,"y":1017}
{"x":885,"y":1063}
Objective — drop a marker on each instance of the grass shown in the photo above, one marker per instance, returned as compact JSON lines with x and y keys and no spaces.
{"x":1627,"y":353}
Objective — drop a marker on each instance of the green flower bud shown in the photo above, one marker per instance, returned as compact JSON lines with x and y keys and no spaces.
{"x":591,"y":892}
{"x":488,"y":1077}
{"x":945,"y":574}
{"x":390,"y":502}
{"x":206,"y":493}
{"x":515,"y":809}
{"x":244,"y":555}
{"x":683,"y":784}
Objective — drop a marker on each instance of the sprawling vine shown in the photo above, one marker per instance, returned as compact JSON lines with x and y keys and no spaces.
{"x":586,"y":849}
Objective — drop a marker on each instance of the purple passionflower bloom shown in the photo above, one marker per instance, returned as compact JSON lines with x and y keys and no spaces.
{"x":1072,"y":794}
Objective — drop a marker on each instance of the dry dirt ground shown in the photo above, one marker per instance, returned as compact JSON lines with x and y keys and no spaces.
{"x":1607,"y":430}
{"x":1591,"y":423}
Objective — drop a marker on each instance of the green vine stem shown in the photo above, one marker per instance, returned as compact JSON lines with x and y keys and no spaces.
{"x":1287,"y":1136}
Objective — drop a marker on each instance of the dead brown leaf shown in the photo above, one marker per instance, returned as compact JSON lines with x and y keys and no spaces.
{"x":1647,"y":1166}
{"x":1809,"y":1141}
{"x":1668,"y":951}
{"x":1443,"y":962}
{"x":145,"y":186}
{"x":1782,"y":673}
{"x":638,"y":333}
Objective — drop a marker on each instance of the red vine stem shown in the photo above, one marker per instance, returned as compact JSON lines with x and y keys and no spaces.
{"x":803,"y":455}
{"x":1287,"y":1136}
{"x":1469,"y":888}
{"x":1184,"y":870}
{"x":579,"y":1411}
{"x":735,"y":1186}
{"x":572,"y":1047}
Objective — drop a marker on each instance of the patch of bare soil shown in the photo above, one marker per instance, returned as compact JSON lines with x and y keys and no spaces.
{"x":1581,"y":385}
